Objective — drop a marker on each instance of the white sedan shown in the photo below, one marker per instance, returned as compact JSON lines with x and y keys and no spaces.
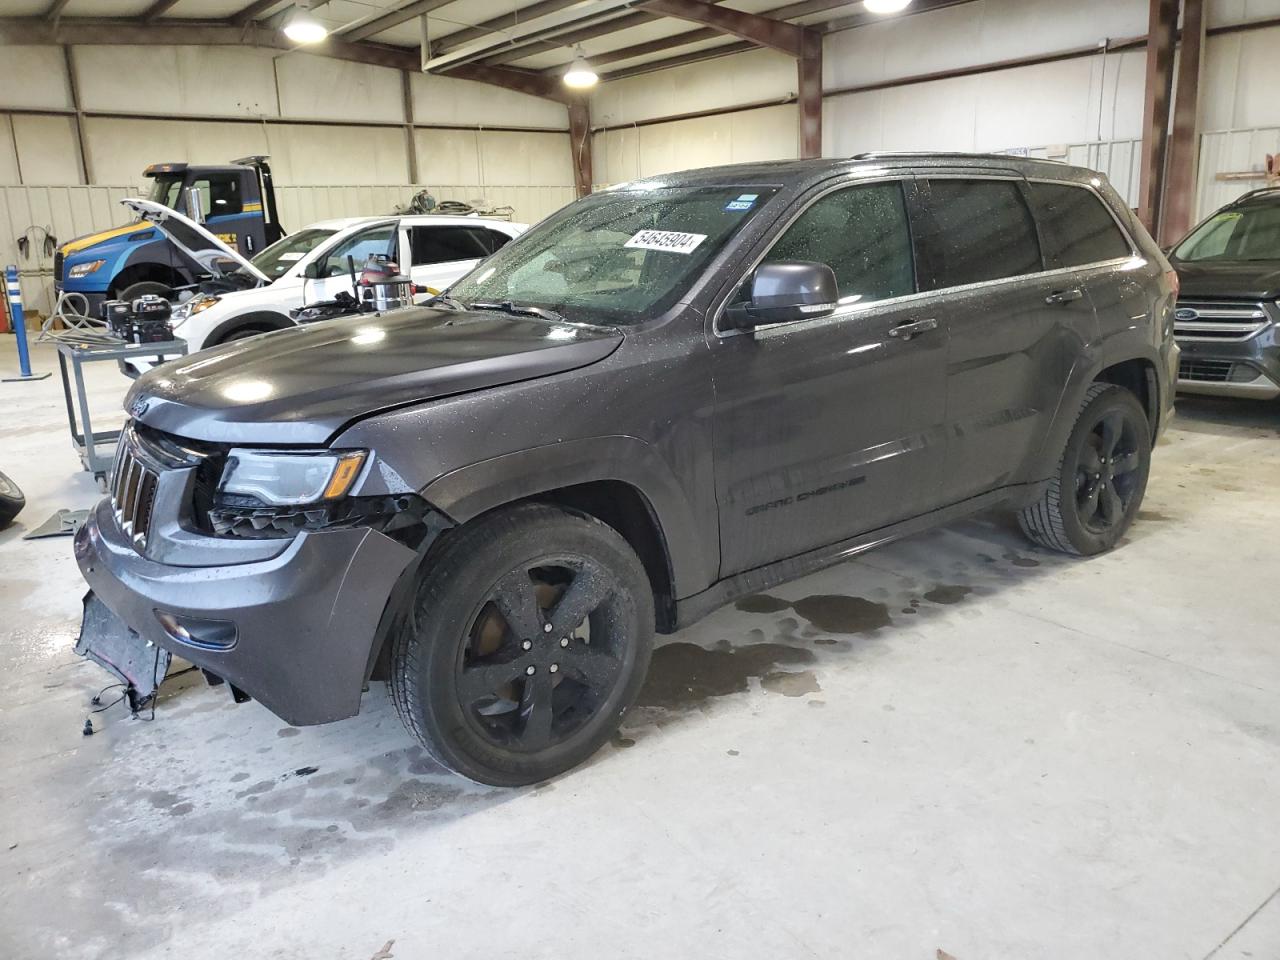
{"x":312,"y":264}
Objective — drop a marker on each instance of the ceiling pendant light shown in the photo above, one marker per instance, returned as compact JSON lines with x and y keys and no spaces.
{"x":301,"y":26}
{"x":886,"y":6}
{"x":580,"y":74}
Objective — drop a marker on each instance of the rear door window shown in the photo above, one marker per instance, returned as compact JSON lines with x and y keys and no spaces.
{"x":977,"y":230}
{"x":443,"y":244}
{"x":1076,"y":226}
{"x":861,"y":233}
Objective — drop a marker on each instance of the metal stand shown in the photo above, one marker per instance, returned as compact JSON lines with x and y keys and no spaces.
{"x":84,"y":440}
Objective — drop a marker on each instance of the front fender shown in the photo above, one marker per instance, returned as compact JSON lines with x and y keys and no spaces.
{"x":469,"y":491}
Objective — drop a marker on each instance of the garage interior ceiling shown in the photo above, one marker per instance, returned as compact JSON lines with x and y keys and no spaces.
{"x":539,"y":38}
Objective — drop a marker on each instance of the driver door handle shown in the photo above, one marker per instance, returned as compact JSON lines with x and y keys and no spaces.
{"x":1064,"y":296}
{"x":905,"y":331}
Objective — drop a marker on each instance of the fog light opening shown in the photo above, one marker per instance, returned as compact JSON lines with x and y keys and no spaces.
{"x":198,"y":632}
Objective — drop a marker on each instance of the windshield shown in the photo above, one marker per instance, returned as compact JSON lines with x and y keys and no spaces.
{"x":283,"y":255}
{"x":166,"y":191}
{"x":619,"y":257}
{"x":1242,"y":233}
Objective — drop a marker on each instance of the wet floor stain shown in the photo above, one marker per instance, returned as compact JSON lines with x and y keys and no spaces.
{"x":837,"y":613}
{"x":948,"y":593}
{"x":288,"y":732}
{"x":621,"y":742}
{"x":791,"y":684}
{"x":1020,"y":561}
{"x":1154,"y":516}
{"x":762,"y":603}
{"x":683,"y":675}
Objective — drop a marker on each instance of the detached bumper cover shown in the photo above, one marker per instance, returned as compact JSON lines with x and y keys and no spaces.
{"x":305,"y":619}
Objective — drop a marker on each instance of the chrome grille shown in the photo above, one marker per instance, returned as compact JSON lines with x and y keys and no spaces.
{"x":133,"y":491}
{"x":1218,"y":320}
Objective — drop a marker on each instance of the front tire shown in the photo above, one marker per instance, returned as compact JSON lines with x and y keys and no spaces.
{"x":1101,"y":477}
{"x":136,"y":290}
{"x":528,"y":639}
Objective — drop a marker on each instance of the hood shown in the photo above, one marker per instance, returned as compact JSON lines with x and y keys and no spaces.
{"x":194,"y":240}
{"x":72,"y":247}
{"x":1238,"y":279}
{"x":301,"y":385}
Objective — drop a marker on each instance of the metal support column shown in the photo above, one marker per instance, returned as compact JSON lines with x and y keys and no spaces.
{"x":809,"y":108}
{"x":1161,"y":33}
{"x":410,"y":142}
{"x":1178,"y":210}
{"x":580,"y":143}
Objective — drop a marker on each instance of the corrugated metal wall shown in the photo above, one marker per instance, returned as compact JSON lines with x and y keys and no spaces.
{"x":72,"y":211}
{"x":1232,"y":151}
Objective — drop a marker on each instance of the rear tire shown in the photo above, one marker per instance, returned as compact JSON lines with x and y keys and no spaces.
{"x":528,"y":639}
{"x":1101,"y":477}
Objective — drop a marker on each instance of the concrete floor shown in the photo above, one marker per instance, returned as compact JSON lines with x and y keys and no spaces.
{"x":956,"y":745}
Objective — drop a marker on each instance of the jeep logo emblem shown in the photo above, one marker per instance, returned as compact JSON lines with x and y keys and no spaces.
{"x":1185,"y":313}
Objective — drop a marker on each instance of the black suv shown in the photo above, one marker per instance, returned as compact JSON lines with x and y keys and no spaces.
{"x":664,"y":396}
{"x":1227,"y":313}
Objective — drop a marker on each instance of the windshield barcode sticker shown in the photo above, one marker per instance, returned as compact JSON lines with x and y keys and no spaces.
{"x":668,"y":240}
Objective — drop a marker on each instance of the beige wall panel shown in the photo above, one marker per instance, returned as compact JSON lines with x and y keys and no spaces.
{"x":34,"y":78}
{"x":319,"y":88}
{"x":199,"y":81}
{"x":448,"y":101}
{"x":47,"y":149}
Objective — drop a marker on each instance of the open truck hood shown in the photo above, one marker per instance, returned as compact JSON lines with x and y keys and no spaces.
{"x":194,"y":240}
{"x":302,"y":385}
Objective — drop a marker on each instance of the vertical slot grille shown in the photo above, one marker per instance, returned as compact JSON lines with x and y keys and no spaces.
{"x":133,"y":492}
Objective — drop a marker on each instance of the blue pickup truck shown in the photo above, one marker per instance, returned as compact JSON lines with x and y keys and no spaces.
{"x":236,"y":202}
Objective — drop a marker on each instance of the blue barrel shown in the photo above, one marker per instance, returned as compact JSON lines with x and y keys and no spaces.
{"x":14,"y":290}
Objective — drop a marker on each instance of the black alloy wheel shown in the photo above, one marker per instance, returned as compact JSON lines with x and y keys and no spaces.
{"x":1107,"y":471}
{"x":530,"y":675}
{"x":528,"y":639}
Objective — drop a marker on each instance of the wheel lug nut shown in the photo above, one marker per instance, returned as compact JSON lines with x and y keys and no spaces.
{"x":527,"y":644}
{"x":554,"y":667}
{"x":531,"y":670}
{"x":546,"y":628}
{"x":564,"y":641}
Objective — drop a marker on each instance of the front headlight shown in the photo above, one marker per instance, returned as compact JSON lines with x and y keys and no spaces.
{"x":84,"y":269}
{"x":288,"y":479}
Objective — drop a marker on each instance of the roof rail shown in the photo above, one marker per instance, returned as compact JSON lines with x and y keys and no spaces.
{"x":958,"y":154}
{"x":1254,"y":193}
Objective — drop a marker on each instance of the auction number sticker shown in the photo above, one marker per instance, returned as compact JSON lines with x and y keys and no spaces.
{"x":669,"y":240}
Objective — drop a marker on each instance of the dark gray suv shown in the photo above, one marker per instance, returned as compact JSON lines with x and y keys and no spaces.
{"x":667,"y":395}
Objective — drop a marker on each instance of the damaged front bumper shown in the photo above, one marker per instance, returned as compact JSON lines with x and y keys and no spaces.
{"x":294,"y":632}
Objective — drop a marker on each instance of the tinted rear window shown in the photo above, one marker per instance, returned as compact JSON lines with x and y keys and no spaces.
{"x":980,"y":230}
{"x":1077,"y":228}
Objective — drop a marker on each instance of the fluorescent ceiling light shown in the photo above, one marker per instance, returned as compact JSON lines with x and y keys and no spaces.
{"x":886,"y":6}
{"x":580,"y":74}
{"x":301,"y":26}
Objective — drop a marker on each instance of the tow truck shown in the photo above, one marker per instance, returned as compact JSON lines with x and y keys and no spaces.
{"x":236,"y":202}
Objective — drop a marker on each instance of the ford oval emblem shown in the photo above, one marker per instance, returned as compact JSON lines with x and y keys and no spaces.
{"x":1185,"y":313}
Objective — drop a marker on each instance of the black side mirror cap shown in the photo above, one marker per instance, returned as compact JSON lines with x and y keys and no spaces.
{"x":785,"y":292}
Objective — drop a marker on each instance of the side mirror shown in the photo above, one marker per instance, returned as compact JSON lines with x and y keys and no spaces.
{"x":312,"y":270}
{"x":195,"y":204}
{"x":785,"y":292}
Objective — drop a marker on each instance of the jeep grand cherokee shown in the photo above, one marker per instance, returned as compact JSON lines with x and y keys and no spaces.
{"x":666,"y":395}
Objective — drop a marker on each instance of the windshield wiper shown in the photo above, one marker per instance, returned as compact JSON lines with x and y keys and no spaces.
{"x":446,"y":301}
{"x":520,"y":310}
